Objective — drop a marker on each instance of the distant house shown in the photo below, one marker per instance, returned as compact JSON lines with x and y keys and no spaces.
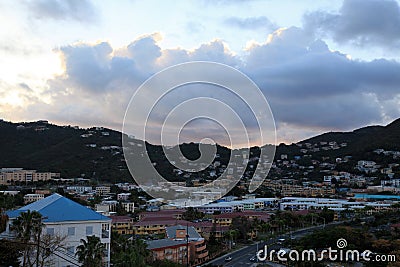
{"x":66,"y":218}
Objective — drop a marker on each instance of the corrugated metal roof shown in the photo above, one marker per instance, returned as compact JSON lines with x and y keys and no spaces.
{"x":56,"y":208}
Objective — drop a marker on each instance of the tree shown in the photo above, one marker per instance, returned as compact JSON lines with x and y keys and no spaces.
{"x":49,"y":244}
{"x":3,"y":221}
{"x":28,"y":226}
{"x":128,"y":253}
{"x":191,"y":214}
{"x":231,"y":237}
{"x":327,"y":214}
{"x":10,"y":252}
{"x":243,"y":226}
{"x":90,"y":253}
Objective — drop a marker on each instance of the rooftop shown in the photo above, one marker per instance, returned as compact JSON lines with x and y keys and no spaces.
{"x":56,"y":208}
{"x":162,"y":243}
{"x":171,"y":231}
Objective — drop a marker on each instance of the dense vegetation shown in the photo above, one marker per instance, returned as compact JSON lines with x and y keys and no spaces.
{"x":48,"y":147}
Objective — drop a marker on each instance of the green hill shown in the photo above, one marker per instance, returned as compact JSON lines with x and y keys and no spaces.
{"x":96,"y":152}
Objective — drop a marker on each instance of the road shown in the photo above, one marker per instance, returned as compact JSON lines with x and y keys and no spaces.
{"x":241,"y":257}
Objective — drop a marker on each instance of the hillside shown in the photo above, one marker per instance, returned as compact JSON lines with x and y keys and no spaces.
{"x":361,"y":141}
{"x":96,"y":152}
{"x":47,"y":147}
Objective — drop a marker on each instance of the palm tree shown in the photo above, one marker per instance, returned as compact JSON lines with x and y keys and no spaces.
{"x":135,"y":253}
{"x":28,"y":225}
{"x":90,"y":253}
{"x":231,"y":236}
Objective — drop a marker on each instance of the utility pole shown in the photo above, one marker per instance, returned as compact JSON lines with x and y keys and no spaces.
{"x":187,"y":245}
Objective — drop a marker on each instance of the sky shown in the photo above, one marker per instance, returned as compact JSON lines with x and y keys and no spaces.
{"x":322,"y":65}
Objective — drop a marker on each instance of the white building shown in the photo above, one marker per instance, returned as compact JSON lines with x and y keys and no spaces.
{"x":66,"y":218}
{"x":123,"y":196}
{"x":392,"y":183}
{"x":80,"y":189}
{"x":128,"y":206}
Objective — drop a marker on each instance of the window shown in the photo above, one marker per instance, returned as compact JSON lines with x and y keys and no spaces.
{"x":105,"y":233}
{"x":50,"y":231}
{"x":71,"y":230}
{"x":70,"y":250}
{"x":89,"y":230}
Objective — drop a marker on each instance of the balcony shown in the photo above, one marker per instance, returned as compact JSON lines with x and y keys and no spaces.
{"x":202,"y":255}
{"x":200,"y":248}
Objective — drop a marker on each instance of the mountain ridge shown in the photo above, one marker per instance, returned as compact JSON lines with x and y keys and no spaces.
{"x":96,"y":152}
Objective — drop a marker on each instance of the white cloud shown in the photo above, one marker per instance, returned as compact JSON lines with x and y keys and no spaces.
{"x":310,"y":88}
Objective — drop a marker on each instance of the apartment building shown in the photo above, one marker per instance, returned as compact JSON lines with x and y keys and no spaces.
{"x":183,"y":244}
{"x":65,"y":218}
{"x":102,"y":190}
{"x":10,"y":176}
{"x":122,"y":224}
{"x":80,"y":189}
{"x":237,"y":205}
{"x":128,"y":206}
{"x":169,"y":249}
{"x":123,"y":196}
{"x":225,"y":219}
{"x":29,"y":198}
{"x":156,"y":226}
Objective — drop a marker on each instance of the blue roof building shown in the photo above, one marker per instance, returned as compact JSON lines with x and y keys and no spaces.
{"x":69,"y":220}
{"x":56,"y":208}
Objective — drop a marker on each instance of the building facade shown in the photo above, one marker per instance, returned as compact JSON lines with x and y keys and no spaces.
{"x":71,"y":221}
{"x":10,"y":176}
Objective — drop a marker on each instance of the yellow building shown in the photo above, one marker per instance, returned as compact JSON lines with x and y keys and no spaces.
{"x":122,"y":225}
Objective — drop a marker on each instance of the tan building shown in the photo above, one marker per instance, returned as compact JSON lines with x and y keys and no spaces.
{"x":28,"y":198}
{"x":10,"y":176}
{"x":297,"y":190}
{"x":102,"y":190}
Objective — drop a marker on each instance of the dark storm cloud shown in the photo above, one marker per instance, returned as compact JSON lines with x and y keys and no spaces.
{"x":80,"y":10}
{"x":362,"y":22}
{"x":307,"y":85}
{"x":251,"y":23}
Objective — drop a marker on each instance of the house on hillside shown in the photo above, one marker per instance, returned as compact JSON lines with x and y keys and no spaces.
{"x":65,"y":218}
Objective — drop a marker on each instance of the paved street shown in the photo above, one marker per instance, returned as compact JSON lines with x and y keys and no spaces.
{"x":242,"y":256}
